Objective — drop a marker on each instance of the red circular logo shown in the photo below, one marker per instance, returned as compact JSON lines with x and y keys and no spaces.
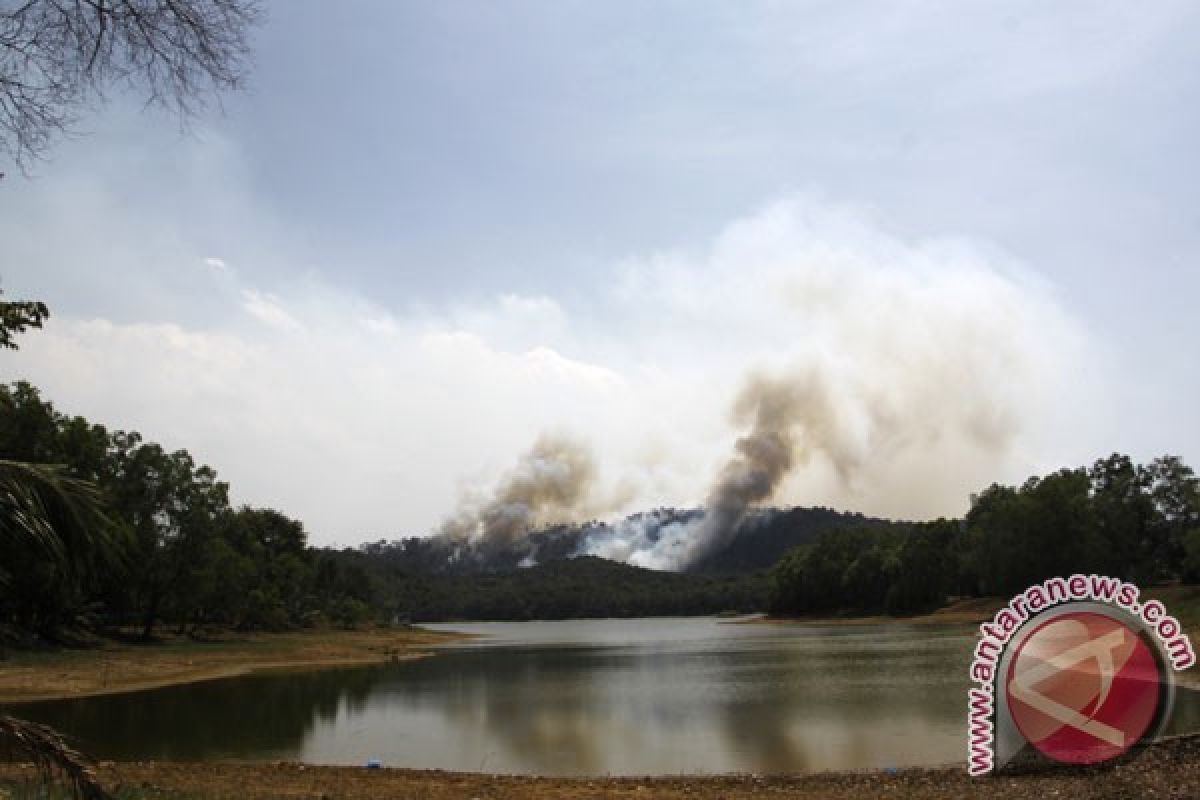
{"x":1083,"y":688}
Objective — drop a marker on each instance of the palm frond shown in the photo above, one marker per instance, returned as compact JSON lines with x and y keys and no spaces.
{"x":41,"y":506}
{"x":47,"y":749}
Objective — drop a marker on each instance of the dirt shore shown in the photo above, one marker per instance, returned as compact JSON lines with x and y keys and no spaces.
{"x":1167,"y":770}
{"x":111,"y":667}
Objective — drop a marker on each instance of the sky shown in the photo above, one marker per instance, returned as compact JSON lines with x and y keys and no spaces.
{"x":428,"y":234}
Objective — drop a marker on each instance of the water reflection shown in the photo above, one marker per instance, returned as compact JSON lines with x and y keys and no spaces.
{"x":592,"y":697}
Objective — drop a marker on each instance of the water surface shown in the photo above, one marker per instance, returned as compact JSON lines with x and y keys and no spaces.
{"x":647,"y":696}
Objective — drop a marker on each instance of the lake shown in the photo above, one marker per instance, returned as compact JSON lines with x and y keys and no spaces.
{"x":621,"y":697}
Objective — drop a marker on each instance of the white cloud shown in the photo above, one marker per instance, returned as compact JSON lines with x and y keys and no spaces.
{"x":267,"y":309}
{"x":365,"y":421}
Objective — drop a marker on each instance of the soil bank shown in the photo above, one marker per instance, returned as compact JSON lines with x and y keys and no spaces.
{"x":110,"y":667}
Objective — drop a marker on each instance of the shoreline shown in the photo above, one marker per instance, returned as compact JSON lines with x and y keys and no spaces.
{"x":971,"y":611}
{"x":113,"y":667}
{"x":1183,"y":602}
{"x":117,"y":668}
{"x":1168,"y":769}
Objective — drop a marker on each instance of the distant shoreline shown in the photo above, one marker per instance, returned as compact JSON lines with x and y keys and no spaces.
{"x":961,"y":612}
{"x":114,"y":668}
{"x":111,"y":667}
{"x":1181,"y":601}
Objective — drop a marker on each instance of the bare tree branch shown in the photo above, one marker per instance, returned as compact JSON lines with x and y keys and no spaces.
{"x":59,"y":57}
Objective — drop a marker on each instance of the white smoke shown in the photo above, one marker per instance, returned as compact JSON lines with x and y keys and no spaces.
{"x":655,"y":540}
{"x":905,"y":375}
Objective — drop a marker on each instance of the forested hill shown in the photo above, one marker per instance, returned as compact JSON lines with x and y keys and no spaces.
{"x":547,"y":574}
{"x":759,"y":542}
{"x":137,"y":538}
{"x":103,"y":531}
{"x":571,"y":588}
{"x":763,"y":539}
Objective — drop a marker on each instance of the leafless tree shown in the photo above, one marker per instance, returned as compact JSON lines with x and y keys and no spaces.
{"x":59,"y":57}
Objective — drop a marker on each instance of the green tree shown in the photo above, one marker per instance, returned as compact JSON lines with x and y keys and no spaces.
{"x":54,"y":537}
{"x":847,"y":569}
{"x":18,"y":317}
{"x":55,"y":524}
{"x":1191,"y":556}
{"x":1174,"y":492}
{"x":1124,"y":517}
{"x":1017,"y":537}
{"x":924,"y":567}
{"x":55,"y":59}
{"x":172,"y":508}
{"x":277,"y":547}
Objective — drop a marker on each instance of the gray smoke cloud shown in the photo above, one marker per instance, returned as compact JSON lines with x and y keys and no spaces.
{"x":551,"y":483}
{"x":761,"y":459}
{"x":890,"y":377}
{"x":781,"y":415}
{"x":856,"y":429}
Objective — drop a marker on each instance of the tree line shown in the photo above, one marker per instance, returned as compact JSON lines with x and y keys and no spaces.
{"x":162,"y":545}
{"x":1139,"y":522}
{"x":569,"y":588}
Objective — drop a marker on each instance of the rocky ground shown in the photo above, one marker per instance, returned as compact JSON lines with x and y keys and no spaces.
{"x":1167,"y":770}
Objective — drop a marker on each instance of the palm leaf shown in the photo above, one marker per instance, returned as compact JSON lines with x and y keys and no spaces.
{"x":44,"y":508}
{"x":51,"y":754}
{"x":62,"y":517}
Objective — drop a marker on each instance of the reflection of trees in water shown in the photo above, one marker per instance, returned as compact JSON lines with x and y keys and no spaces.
{"x":533,"y":710}
{"x":791,"y":701}
{"x":1185,"y":716}
{"x":849,"y":698}
{"x":255,"y":715}
{"x":770,"y":707}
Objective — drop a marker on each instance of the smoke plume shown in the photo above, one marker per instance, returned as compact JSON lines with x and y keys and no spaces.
{"x":788,"y":417}
{"x":889,"y":377}
{"x":761,"y":459}
{"x":551,"y":483}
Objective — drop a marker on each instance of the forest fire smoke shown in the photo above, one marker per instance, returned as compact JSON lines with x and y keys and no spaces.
{"x":891,"y":378}
{"x":788,"y":416}
{"x":549,"y":484}
{"x":762,"y":457}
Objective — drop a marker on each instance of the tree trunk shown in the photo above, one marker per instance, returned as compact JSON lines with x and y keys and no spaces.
{"x":149,"y":620}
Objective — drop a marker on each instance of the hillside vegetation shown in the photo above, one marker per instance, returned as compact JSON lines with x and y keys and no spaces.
{"x":176,"y":553}
{"x":1139,"y":522}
